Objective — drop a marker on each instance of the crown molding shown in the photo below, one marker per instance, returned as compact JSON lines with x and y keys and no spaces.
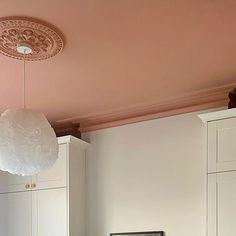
{"x":201,"y":100}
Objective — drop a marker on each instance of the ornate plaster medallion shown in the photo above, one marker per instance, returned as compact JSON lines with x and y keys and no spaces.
{"x":45,"y":41}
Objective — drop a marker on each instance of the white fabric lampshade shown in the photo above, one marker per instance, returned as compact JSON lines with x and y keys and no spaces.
{"x":28,"y":144}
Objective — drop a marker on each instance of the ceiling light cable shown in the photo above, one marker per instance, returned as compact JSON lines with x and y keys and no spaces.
{"x":24,"y":80}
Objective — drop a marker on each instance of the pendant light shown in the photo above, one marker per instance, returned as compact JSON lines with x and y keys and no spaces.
{"x":28,"y":144}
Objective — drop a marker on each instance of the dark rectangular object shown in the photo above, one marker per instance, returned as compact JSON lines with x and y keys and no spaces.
{"x":148,"y":233}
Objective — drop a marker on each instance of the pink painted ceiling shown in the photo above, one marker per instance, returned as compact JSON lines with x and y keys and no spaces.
{"x":122,"y":54}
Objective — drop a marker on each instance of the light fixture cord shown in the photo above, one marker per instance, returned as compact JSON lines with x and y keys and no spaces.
{"x":24,"y":80}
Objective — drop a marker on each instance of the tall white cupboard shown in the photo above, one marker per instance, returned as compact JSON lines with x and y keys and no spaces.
{"x":221,"y":127}
{"x":51,"y":203}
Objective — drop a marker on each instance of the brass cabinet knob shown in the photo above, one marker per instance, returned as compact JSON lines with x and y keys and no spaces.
{"x":33,"y":185}
{"x":27,"y":186}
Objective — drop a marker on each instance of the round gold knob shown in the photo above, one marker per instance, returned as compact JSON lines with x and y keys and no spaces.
{"x":27,"y":186}
{"x":33,"y":185}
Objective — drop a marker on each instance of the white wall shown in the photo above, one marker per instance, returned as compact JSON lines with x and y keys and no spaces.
{"x":148,"y":176}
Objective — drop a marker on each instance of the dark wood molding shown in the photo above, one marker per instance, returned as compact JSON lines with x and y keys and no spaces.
{"x":232,"y":99}
{"x":67,"y":129}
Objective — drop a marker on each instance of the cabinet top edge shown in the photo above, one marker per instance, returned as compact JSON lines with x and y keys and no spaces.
{"x":72,"y":139}
{"x":217,"y":115}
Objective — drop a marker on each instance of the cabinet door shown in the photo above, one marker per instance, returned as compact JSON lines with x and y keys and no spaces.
{"x":222,"y":204}
{"x":55,"y":177}
{"x":16,"y":214}
{"x":13,"y":183}
{"x":222,"y":145}
{"x":3,"y":210}
{"x":50,"y":212}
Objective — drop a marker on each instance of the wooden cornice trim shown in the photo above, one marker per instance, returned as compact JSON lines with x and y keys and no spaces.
{"x":201,"y":100}
{"x":67,"y":129}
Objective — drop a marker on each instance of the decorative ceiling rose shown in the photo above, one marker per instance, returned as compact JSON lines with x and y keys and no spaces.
{"x":44,"y":40}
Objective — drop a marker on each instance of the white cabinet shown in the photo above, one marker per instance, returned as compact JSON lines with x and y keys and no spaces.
{"x":49,"y":212}
{"x":3,"y":220}
{"x":16,"y":214}
{"x":56,"y":176}
{"x":221,"y":146}
{"x":13,"y":183}
{"x":55,"y":205}
{"x":222,"y":204}
{"x":38,"y":213}
{"x":52,"y":178}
